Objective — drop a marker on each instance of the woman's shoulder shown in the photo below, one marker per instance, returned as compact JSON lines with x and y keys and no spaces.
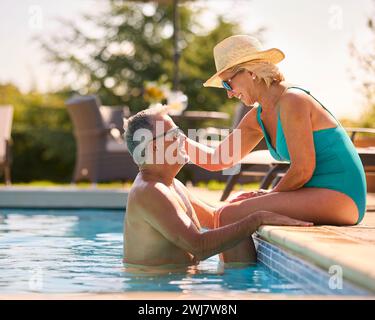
{"x":294,"y":100}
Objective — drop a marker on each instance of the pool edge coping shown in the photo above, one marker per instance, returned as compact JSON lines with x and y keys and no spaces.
{"x":62,"y":198}
{"x":278,"y":236}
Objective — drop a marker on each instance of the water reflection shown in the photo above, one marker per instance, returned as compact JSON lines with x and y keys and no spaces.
{"x":81,"y":251}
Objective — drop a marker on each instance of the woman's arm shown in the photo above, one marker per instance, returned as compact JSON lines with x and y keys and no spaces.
{"x":295,"y":115}
{"x":231,"y":150}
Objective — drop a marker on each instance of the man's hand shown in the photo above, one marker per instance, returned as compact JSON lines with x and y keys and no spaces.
{"x":247,"y":195}
{"x":274,"y":219}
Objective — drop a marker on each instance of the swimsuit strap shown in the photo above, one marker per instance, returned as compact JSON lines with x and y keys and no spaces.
{"x":308,"y":92}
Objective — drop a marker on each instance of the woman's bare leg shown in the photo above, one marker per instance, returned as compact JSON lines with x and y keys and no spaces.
{"x":317,"y":205}
{"x":244,"y":252}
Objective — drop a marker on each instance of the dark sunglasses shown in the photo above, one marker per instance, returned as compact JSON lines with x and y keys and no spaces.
{"x":226,"y":83}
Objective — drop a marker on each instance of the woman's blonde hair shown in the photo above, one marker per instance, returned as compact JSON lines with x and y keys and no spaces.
{"x":263,"y":70}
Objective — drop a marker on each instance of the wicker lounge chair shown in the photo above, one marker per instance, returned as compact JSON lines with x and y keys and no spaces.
{"x":101,"y":151}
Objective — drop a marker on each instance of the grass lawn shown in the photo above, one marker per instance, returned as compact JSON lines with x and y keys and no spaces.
{"x":214,"y":185}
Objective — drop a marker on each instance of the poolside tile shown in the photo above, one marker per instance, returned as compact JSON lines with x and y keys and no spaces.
{"x":352,"y":248}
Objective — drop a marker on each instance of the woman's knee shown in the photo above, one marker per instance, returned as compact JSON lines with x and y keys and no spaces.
{"x":223,"y":216}
{"x":228,"y":214}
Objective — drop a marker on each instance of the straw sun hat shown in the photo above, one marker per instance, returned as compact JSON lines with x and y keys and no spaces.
{"x":239,"y":49}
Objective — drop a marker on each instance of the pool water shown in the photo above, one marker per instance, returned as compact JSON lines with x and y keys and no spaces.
{"x":82,"y":250}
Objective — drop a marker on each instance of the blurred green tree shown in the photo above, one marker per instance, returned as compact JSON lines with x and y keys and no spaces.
{"x":114,"y":56}
{"x":43,"y":144}
{"x":135,"y":46}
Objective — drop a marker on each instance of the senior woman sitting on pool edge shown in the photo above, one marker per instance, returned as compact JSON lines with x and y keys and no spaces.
{"x":325,"y":183}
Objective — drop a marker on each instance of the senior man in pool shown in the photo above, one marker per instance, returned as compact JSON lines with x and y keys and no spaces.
{"x":164,"y":221}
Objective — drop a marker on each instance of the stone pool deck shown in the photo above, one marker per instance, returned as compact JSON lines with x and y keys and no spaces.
{"x":351,"y":248}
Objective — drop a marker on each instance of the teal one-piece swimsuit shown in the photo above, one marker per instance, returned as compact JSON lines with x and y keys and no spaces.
{"x":338,"y":166}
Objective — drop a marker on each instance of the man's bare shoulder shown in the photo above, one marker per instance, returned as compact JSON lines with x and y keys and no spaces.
{"x":151,"y":197}
{"x":147,"y":190}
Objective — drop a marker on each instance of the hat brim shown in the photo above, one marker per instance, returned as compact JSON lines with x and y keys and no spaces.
{"x":271,"y":55}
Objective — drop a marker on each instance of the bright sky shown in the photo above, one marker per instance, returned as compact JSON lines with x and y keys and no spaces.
{"x":314,"y":35}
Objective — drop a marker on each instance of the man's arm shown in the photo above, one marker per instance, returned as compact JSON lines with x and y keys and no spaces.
{"x":162,"y":212}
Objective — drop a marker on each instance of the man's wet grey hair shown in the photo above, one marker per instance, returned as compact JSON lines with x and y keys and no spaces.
{"x":141,"y":120}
